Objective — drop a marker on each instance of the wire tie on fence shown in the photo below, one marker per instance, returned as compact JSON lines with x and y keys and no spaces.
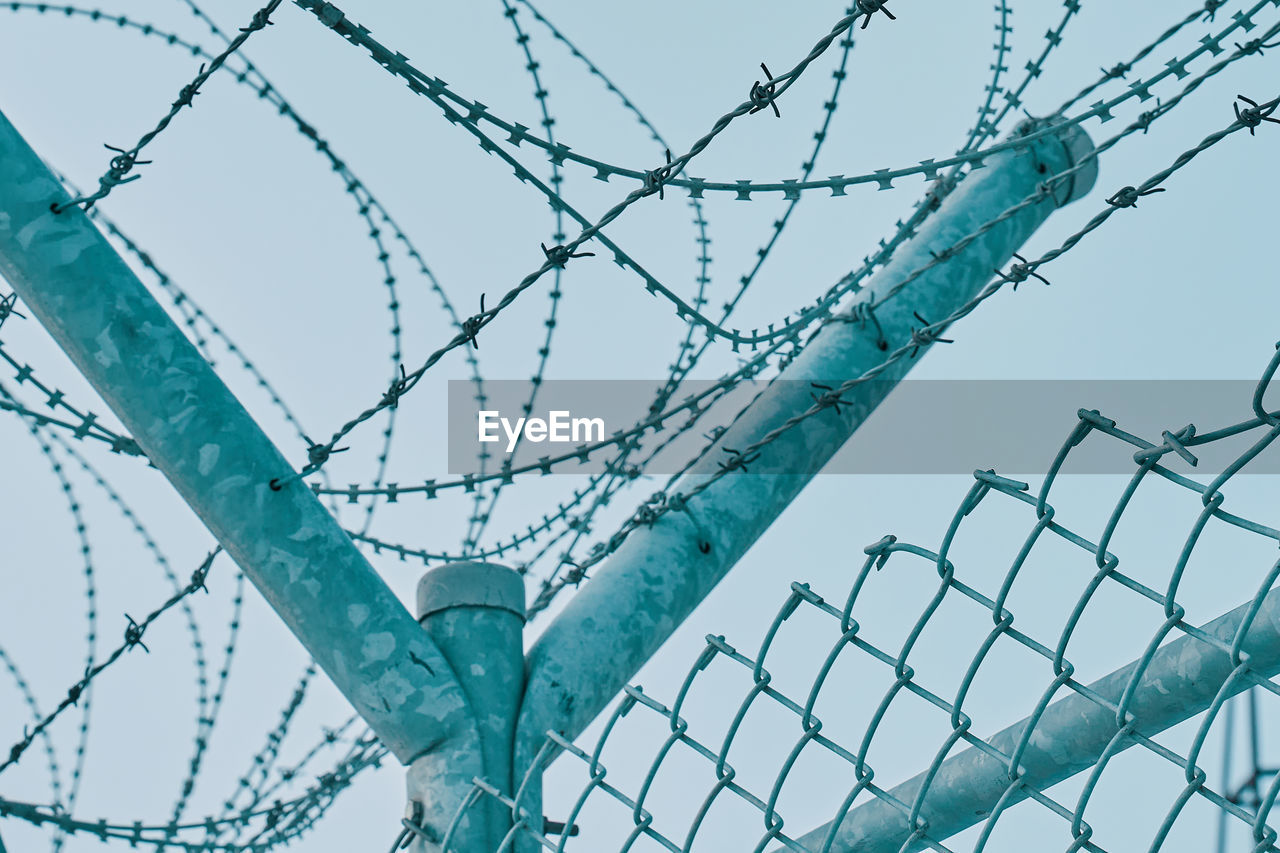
{"x":656,"y":179}
{"x":556,"y":827}
{"x":471,"y":325}
{"x":881,"y":550}
{"x":1020,"y":272}
{"x":925,"y":335}
{"x":133,"y":634}
{"x":1211,"y":8}
{"x":1128,"y":196}
{"x":1175,"y":443}
{"x":870,"y":7}
{"x":1255,"y":114}
{"x":561,"y":255}
{"x":763,"y":96}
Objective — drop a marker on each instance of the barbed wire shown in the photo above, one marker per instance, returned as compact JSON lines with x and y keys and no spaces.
{"x":398,"y":64}
{"x":288,"y":819}
{"x":479,"y":514}
{"x":600,"y":550}
{"x":930,"y":332}
{"x":471,"y":113}
{"x":133,"y":635}
{"x":208,"y":703}
{"x":617,"y":467}
{"x":86,"y":424}
{"x":559,"y":255}
{"x":283,"y":822}
{"x":126,"y":160}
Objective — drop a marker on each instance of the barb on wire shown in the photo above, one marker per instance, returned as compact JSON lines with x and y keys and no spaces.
{"x":398,"y":388}
{"x":1128,"y":196}
{"x":123,"y":163}
{"x":472,"y":325}
{"x":8,"y":309}
{"x":132,"y":637}
{"x":1256,"y":46}
{"x":654,"y":181}
{"x":925,"y":335}
{"x":764,"y":96}
{"x":1117,"y":71}
{"x":1021,"y":271}
{"x":737,"y":461}
{"x":870,"y":7}
{"x":558,"y":256}
{"x":1255,"y":114}
{"x":829,"y":399}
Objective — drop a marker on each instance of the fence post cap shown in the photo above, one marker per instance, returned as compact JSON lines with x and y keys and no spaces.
{"x":470,"y":584}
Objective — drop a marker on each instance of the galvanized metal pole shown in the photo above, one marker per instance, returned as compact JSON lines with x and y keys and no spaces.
{"x":220,"y":461}
{"x":660,"y":573}
{"x":1182,"y":679}
{"x":475,"y":614}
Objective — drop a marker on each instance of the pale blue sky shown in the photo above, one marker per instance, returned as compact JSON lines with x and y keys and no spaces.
{"x":243,"y":214}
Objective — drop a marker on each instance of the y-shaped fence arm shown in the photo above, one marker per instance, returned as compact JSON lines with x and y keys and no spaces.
{"x":660,"y":573}
{"x":200,"y":437}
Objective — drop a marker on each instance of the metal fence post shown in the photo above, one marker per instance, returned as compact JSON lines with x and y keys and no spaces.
{"x":199,"y":436}
{"x":475,"y":614}
{"x":1182,"y":678}
{"x":661,"y":572}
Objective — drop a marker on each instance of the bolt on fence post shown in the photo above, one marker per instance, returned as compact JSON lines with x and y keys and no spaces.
{"x":474,"y":612}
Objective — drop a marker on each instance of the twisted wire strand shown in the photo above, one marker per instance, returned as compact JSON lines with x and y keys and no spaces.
{"x":133,"y":637}
{"x":126,"y":159}
{"x":470,"y":113}
{"x":480,"y":514}
{"x":85,"y":424}
{"x":398,"y":65}
{"x":541,"y":601}
{"x":930,"y":332}
{"x":680,"y":368}
{"x":208,"y":704}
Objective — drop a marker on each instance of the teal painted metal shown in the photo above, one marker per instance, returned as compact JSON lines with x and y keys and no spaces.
{"x":475,"y":614}
{"x":659,"y":574}
{"x":197,"y":434}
